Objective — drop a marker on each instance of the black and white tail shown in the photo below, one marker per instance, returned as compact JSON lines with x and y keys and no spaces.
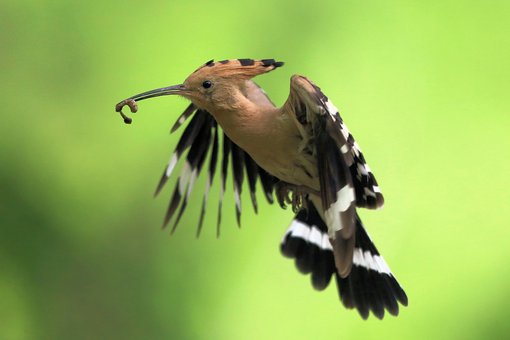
{"x":370,"y":286}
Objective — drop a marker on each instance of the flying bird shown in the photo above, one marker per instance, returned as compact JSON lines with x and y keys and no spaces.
{"x":301,"y":153}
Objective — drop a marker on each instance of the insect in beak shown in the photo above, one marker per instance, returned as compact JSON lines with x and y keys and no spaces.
{"x":131,"y":101}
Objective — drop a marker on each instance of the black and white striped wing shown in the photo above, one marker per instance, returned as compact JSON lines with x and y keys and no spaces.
{"x":368,"y":194}
{"x":314,"y":108}
{"x":200,"y":138}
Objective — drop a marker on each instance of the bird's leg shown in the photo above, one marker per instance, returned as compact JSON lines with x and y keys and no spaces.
{"x":132,"y":106}
{"x":299,"y":193}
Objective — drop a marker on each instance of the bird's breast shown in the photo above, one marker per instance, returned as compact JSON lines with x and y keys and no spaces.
{"x":275,"y":144}
{"x":281,"y":156}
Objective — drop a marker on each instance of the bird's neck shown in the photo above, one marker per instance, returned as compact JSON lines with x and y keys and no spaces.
{"x":245,"y":122}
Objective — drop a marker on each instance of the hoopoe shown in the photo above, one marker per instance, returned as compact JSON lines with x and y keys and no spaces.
{"x":301,"y":152}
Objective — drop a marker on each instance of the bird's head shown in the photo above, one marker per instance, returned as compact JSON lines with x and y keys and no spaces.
{"x":215,"y":85}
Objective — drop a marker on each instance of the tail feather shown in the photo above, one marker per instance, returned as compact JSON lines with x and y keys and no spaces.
{"x":309,"y":244}
{"x":370,"y":287}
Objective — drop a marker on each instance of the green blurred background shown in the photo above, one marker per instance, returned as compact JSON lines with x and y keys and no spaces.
{"x":423,"y":85}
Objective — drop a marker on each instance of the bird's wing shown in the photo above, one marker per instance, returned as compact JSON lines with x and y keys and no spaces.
{"x":316,"y":108}
{"x":345,"y":179}
{"x":315,"y":111}
{"x":201,"y":136}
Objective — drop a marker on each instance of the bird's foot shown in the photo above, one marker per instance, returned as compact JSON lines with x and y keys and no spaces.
{"x":294,"y":195}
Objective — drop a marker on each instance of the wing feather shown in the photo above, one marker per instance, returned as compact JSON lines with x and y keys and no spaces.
{"x":238,"y":175}
{"x":210,"y":177}
{"x":195,"y":158}
{"x":186,"y":140}
{"x":337,"y":198}
{"x":183,"y":117}
{"x":227,"y":143}
{"x":252,"y":172}
{"x":268,"y":182}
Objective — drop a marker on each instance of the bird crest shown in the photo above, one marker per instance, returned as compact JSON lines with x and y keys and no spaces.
{"x":243,"y":68}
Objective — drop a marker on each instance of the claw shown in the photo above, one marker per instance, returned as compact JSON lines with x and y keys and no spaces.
{"x":294,"y":195}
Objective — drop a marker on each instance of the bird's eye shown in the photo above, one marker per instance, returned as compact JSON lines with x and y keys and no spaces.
{"x":206,"y":84}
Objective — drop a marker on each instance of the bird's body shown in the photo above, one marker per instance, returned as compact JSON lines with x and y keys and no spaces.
{"x":302,"y":149}
{"x":274,"y":142}
{"x":262,"y":139}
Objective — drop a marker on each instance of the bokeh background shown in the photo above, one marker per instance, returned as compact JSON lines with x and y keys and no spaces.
{"x":423,"y":85}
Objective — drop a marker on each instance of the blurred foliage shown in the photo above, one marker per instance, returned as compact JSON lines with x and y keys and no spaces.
{"x":423,"y":85}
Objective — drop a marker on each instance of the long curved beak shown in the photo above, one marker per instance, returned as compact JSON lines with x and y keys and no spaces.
{"x":164,"y":91}
{"x":131,"y":101}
